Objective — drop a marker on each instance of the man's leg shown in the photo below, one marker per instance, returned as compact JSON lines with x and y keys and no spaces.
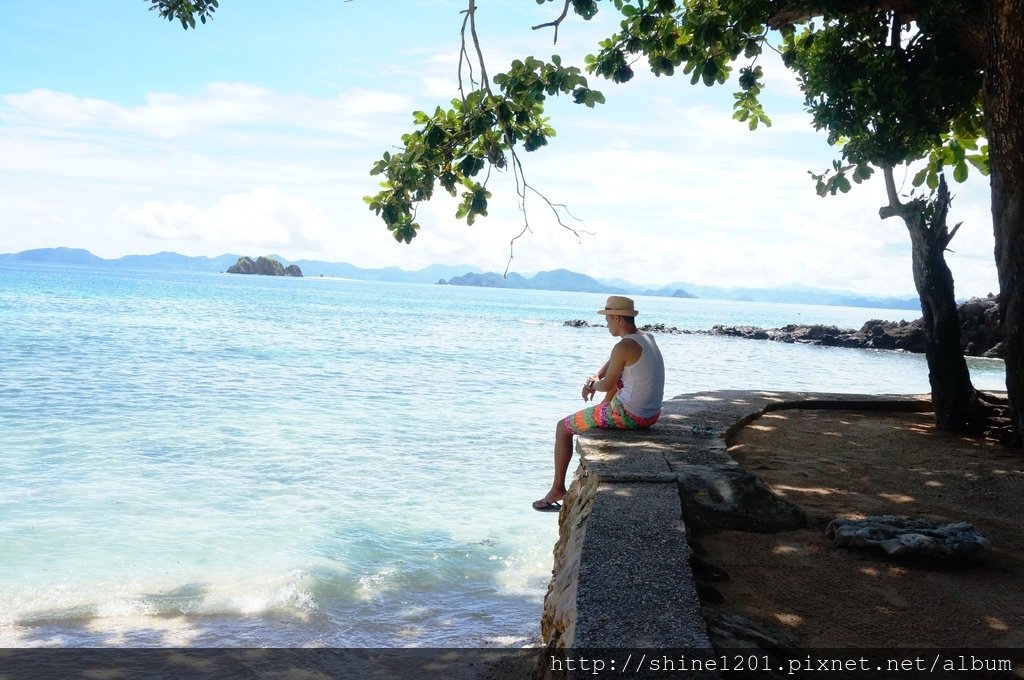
{"x":563,"y":456}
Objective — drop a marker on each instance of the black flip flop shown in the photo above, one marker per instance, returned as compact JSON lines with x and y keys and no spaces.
{"x":543,"y":506}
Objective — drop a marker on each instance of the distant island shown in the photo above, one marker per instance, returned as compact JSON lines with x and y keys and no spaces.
{"x":264,"y":266}
{"x":467,"y":275}
{"x":558,"y":279}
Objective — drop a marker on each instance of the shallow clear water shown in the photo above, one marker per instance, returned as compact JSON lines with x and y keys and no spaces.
{"x":206,"y":459}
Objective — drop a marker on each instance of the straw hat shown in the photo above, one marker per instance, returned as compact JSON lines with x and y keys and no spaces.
{"x":618,"y":306}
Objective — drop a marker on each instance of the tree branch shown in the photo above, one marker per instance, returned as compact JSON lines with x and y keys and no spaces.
{"x":557,"y":22}
{"x":463,"y":54}
{"x":797,"y":12}
{"x":949,"y":237}
{"x":895,"y":208}
{"x":943,"y":199}
{"x":470,"y":21}
{"x":522,"y":186}
{"x":968,"y":36}
{"x":484,"y":82}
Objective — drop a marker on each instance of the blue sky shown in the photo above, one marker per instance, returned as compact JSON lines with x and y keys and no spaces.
{"x":124,"y":134}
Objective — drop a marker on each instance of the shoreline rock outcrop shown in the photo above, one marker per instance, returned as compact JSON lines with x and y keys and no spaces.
{"x":264,"y":266}
{"x":980,"y":334}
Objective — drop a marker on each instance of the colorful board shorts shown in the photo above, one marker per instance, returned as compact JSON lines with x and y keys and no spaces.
{"x":610,"y":415}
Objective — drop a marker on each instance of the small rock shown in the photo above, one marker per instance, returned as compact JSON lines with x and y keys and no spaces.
{"x":911,"y":537}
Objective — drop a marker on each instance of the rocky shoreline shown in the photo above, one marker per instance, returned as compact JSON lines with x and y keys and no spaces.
{"x":980,"y":334}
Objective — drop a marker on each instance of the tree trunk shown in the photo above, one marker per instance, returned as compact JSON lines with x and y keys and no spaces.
{"x":954,"y":398}
{"x":1004,"y":105}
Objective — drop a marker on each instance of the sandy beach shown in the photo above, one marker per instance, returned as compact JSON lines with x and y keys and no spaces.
{"x":853,"y":464}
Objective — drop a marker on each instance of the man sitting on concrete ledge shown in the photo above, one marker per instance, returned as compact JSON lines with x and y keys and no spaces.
{"x":633,"y":380}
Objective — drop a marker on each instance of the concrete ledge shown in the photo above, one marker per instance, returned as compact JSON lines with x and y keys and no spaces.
{"x":621,"y":577}
{"x":672,"y":443}
{"x":635,"y":583}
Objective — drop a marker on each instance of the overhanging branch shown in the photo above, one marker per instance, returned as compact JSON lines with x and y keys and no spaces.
{"x":522,"y":185}
{"x":968,"y":36}
{"x":896,"y":208}
{"x":557,"y":22}
{"x":793,"y":13}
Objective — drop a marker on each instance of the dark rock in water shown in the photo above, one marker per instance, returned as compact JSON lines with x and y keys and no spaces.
{"x":904,"y":335}
{"x":980,"y":334}
{"x":648,"y":328}
{"x":911,"y":537}
{"x":752,"y":332}
{"x":660,"y":328}
{"x":267,"y":267}
{"x":263,"y":265}
{"x":245,"y":265}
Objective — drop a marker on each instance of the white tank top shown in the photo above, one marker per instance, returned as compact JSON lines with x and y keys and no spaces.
{"x":643,"y":383}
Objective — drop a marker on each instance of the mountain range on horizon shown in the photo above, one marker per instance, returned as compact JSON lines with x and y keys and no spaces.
{"x":467,"y":275}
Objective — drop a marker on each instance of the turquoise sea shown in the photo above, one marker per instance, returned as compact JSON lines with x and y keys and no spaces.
{"x":217,"y":460}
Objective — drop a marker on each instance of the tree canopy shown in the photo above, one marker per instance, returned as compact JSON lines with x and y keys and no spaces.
{"x":185,"y":11}
{"x":880,"y":108}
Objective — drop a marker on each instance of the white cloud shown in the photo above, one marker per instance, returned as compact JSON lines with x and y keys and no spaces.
{"x":264,"y":217}
{"x":170,"y":115}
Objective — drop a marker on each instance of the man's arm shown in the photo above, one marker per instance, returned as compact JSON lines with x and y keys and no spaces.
{"x":613,"y":367}
{"x":588,"y":385}
{"x":625,"y":352}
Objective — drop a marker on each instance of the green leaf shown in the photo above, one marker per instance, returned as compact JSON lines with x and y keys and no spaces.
{"x":980,"y":163}
{"x":479,"y":202}
{"x":862,"y":172}
{"x":920,"y":177}
{"x":960,"y":171}
{"x":471,"y":165}
{"x":958,"y":151}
